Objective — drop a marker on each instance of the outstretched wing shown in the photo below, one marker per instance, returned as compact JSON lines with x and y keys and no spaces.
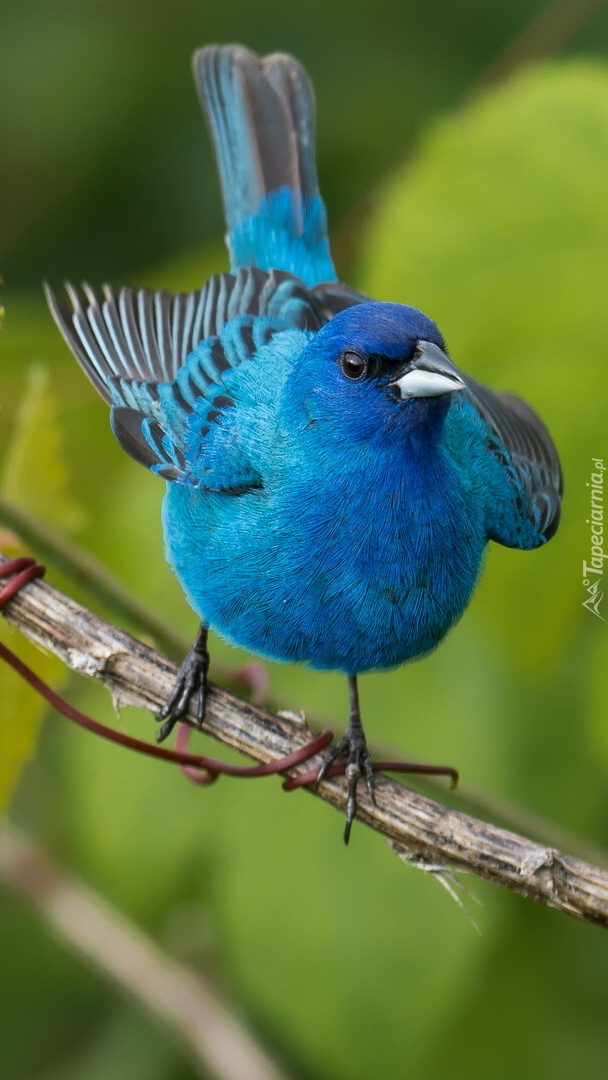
{"x":147,"y":335}
{"x":521,"y":442}
{"x":157,"y":357}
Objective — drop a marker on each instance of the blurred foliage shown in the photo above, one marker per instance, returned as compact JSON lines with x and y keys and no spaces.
{"x":103,"y":168}
{"x":507,"y":232}
{"x":34,"y":474}
{"x":348,"y":963}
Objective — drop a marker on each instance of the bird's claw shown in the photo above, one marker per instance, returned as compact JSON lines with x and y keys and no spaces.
{"x":191,"y":681}
{"x":359,"y":763}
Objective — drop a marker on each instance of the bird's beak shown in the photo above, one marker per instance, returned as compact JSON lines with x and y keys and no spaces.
{"x":431,"y":373}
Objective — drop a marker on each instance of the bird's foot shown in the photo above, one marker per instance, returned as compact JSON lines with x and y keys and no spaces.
{"x":353,"y":747}
{"x":191,"y":680}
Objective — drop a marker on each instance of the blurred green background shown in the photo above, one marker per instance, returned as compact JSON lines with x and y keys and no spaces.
{"x":482,"y":200}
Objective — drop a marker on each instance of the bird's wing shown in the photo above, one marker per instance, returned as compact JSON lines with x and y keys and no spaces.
{"x":147,"y":335}
{"x":158,"y":357}
{"x":522,"y":444}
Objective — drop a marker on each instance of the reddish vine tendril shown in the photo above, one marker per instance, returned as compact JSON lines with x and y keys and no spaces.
{"x":197,"y":767}
{"x":204,"y":770}
{"x":294,"y":782}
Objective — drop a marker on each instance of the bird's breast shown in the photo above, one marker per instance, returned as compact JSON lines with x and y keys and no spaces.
{"x":358,"y":571}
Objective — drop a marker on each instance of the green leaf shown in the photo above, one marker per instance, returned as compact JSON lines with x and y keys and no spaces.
{"x":35,"y":475}
{"x":21,"y":709}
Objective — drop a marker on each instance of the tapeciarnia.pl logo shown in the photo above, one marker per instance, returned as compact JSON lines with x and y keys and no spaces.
{"x":593,"y":571}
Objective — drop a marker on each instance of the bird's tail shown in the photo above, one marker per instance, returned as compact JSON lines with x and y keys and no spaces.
{"x":261,"y":115}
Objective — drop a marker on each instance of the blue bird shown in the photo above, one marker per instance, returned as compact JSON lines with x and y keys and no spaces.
{"x":333,"y":478}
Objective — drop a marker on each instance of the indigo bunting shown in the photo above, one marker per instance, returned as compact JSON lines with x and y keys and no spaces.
{"x":332,"y":477}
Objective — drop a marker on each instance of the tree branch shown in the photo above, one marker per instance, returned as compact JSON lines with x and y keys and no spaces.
{"x":424,"y":832}
{"x":52,"y":546}
{"x":546,"y":33}
{"x":183,"y":1001}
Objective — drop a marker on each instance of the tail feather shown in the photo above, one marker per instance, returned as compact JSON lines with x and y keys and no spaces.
{"x":261,"y":116}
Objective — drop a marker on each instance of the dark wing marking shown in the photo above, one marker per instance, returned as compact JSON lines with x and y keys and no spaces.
{"x":333,"y":296}
{"x":531,"y":456}
{"x":145,"y":441}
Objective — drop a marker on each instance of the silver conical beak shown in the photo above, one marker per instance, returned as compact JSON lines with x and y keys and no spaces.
{"x":432,"y":374}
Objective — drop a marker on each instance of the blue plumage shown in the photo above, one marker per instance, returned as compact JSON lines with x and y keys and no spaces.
{"x":333,"y":478}
{"x":261,"y":118}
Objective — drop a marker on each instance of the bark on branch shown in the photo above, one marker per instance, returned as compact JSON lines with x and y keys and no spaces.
{"x":421,"y":830}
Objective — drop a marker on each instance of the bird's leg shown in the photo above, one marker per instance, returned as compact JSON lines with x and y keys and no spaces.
{"x":353,"y":747}
{"x":191,"y":679}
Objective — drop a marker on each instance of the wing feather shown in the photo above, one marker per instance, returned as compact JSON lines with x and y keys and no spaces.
{"x":523,"y":444}
{"x":133,"y":342}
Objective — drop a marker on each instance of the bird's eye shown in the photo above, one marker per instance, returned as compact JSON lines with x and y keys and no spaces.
{"x":353,"y":366}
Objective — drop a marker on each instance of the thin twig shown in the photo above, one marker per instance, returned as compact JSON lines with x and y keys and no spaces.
{"x":417,"y":826}
{"x":545,"y":34}
{"x":183,"y":1001}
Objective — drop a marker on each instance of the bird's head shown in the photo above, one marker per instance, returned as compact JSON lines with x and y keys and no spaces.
{"x":372,"y":369}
